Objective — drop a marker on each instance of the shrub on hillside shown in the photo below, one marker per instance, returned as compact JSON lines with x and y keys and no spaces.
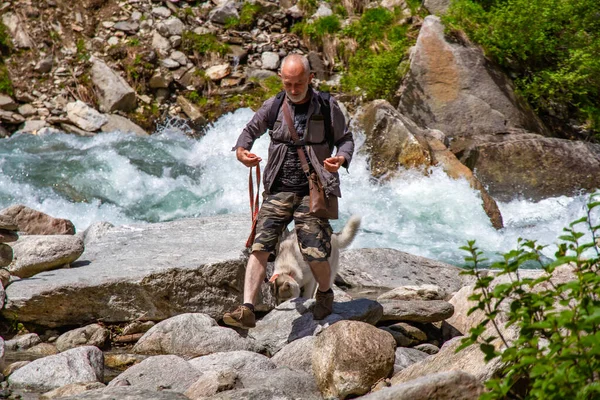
{"x":551,"y":47}
{"x":556,"y":355}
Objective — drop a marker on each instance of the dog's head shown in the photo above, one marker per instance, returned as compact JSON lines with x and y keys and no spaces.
{"x":284,"y":287}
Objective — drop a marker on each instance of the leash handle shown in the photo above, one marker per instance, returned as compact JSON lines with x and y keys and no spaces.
{"x":254,"y":203}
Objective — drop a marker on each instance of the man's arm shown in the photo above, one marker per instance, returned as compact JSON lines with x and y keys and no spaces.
{"x":253,"y":130}
{"x":342,"y":137}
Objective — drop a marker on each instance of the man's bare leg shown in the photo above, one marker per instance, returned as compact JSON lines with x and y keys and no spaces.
{"x":256,"y":270}
{"x":322,"y":273}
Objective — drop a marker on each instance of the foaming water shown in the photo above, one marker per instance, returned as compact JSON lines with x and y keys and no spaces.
{"x":125,"y":178}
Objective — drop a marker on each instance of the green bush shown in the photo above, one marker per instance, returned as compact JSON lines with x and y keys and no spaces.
{"x":551,"y":46}
{"x":5,"y":40}
{"x":319,"y":28}
{"x":202,"y":44}
{"x":371,"y":27}
{"x":6,"y":85}
{"x":557,"y":353}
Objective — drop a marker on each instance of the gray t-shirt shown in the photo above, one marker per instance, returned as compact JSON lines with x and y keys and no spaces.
{"x":291,"y":177}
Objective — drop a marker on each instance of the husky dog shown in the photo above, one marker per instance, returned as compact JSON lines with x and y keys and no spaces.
{"x":292,"y":273}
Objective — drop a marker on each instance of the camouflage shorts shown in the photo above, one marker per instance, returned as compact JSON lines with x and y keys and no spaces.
{"x":277,"y":211}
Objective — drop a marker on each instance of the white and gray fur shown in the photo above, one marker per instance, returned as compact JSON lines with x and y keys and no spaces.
{"x":292,"y":276}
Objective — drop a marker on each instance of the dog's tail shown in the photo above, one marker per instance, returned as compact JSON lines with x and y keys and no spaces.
{"x":348,"y":233}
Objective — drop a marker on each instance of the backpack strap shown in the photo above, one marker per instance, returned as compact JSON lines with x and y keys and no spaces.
{"x":274,"y":111}
{"x":324,"y":102}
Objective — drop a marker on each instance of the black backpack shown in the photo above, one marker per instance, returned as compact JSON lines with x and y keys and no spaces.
{"x":323,"y":98}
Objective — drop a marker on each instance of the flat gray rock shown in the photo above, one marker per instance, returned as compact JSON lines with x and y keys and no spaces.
{"x":416,"y":310}
{"x":141,"y":271}
{"x":406,"y":357}
{"x":296,"y":355}
{"x":244,"y":363}
{"x":389,"y":269}
{"x":33,"y":254}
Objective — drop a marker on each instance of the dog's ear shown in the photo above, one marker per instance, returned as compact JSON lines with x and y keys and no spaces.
{"x":273,"y":278}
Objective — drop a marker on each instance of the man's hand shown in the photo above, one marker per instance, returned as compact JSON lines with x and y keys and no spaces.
{"x":332,"y":164}
{"x":247,"y":158}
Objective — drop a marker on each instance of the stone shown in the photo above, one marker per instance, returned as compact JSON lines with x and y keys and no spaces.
{"x":169,"y":63}
{"x":160,"y":372}
{"x":411,"y":292}
{"x":437,"y":7}
{"x":27,"y":110}
{"x":84,"y":116}
{"x":428,"y":348}
{"x":406,"y":357}
{"x":270,"y":60}
{"x":6,"y":255}
{"x":179,"y":57}
{"x":189,"y":109}
{"x":349,"y":357}
{"x":521,"y":164}
{"x":42,"y":350}
{"x":453,"y":385}
{"x":7,"y":221}
{"x":324,"y":10}
{"x":224,"y":12}
{"x":161,"y":12}
{"x":127,"y":26}
{"x":191,"y":335}
{"x":8,"y":370}
{"x":244,"y":363}
{"x":454,"y":88}
{"x":469,"y":360}
{"x":32,"y":126}
{"x":127,"y":393}
{"x":117,"y":123}
{"x":296,"y":355}
{"x":416,"y":310}
{"x":33,"y":254}
{"x":260,"y":74}
{"x":71,"y":390}
{"x":16,"y":27}
{"x":153,"y":272}
{"x":160,"y":44}
{"x":211,"y":383}
{"x":159,"y":81}
{"x":115,"y":94}
{"x":170,"y":27}
{"x":22,"y":342}
{"x":137,"y":327}
{"x":401,"y":339}
{"x":90,"y":335}
{"x":79,"y":365}
{"x":409,"y":331}
{"x":4,"y":280}
{"x":11,"y":117}
{"x":218,"y":72}
{"x":7,"y":103}
{"x":293,"y":320}
{"x":396,"y":268}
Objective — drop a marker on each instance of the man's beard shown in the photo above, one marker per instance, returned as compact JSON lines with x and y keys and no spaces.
{"x":298,"y":98}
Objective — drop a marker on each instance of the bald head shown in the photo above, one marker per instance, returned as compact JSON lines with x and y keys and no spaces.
{"x":295,"y":64}
{"x":295,"y":76}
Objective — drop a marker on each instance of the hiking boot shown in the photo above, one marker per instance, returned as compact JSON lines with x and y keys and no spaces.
{"x":242,"y":317}
{"x":323,"y":306}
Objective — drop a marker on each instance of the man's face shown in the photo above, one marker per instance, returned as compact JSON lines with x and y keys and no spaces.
{"x":295,"y":82}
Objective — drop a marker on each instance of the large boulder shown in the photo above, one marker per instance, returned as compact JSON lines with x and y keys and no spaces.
{"x":85,"y":117}
{"x":127,"y":393}
{"x":38,"y":253}
{"x":244,"y":363}
{"x":32,"y":222}
{"x":454,"y":88}
{"x":350,"y":357}
{"x":191,"y":335}
{"x":296,"y":355}
{"x":396,"y":268}
{"x":115,"y":92}
{"x":18,"y":30}
{"x":530,"y":165}
{"x":82,"y":364}
{"x":116,"y":123}
{"x":142,"y":271}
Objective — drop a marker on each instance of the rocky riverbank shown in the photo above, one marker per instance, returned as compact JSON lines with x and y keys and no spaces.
{"x":147,"y":301}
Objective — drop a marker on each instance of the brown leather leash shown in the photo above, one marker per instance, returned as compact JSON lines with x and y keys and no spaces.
{"x":254,"y":206}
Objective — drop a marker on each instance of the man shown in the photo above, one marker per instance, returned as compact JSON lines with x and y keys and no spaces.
{"x":286,"y":192}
